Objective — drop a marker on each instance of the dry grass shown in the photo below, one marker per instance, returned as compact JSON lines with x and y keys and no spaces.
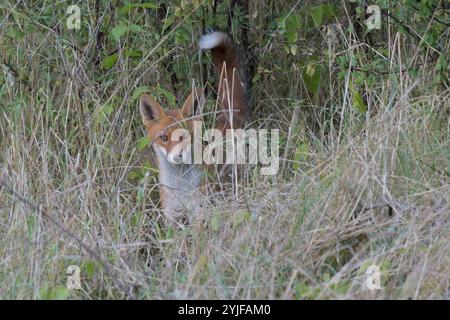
{"x":369,"y":188}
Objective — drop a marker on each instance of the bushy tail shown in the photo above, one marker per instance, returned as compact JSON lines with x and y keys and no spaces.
{"x":231,"y":92}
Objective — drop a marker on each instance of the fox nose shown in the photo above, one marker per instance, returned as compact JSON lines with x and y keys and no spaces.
{"x":177,"y":157}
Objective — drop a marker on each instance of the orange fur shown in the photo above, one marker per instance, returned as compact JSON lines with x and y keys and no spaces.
{"x":231,"y":87}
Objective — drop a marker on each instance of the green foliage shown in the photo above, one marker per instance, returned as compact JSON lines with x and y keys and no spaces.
{"x":146,"y":168}
{"x":240,"y":216}
{"x":290,"y":27}
{"x":31,"y":225}
{"x":312,"y":74}
{"x":119,"y":31}
{"x":103,"y":113}
{"x":301,"y":154}
{"x":138,"y":92}
{"x":322,"y":13}
{"x":305,"y":292}
{"x":169,"y":96}
{"x":88,"y":268}
{"x":130,"y":6}
{"x":58,"y":292}
{"x":358,"y":101}
{"x":216,"y":221}
{"x":142,"y":143}
{"x":109,"y":61}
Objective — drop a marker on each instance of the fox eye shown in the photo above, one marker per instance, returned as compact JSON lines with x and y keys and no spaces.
{"x":164,"y":137}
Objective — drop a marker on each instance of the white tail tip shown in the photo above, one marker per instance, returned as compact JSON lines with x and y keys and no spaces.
{"x":211,"y":40}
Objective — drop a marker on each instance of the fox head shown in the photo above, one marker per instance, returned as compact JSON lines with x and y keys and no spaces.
{"x":170,"y":131}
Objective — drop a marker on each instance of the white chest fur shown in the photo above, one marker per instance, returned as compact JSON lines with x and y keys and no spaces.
{"x":179,"y":185}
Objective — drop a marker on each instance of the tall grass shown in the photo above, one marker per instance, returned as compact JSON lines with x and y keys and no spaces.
{"x":355,"y":188}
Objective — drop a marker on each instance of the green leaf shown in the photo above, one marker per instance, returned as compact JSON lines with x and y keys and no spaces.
{"x":43,"y":292}
{"x":312,"y":76}
{"x":103,"y":113}
{"x":31,"y":222}
{"x":292,"y":26}
{"x":88,"y":267}
{"x":149,"y":5}
{"x":317,"y":14}
{"x":167,"y":22}
{"x":240,"y":216}
{"x":291,"y":36}
{"x":293,"y":22}
{"x":281,"y":25}
{"x":147,"y":167}
{"x":304,"y":291}
{"x":138,"y":92}
{"x":329,"y":11}
{"x":321,"y":13}
{"x":301,"y":155}
{"x":109,"y":61}
{"x":169,"y":96}
{"x":215,"y":221}
{"x":126,"y":8}
{"x":341,"y":287}
{"x":15,"y":33}
{"x":107,"y":109}
{"x":58,"y":292}
{"x":119,"y":31}
{"x":135,"y":174}
{"x":363,"y":268}
{"x":358,"y":102}
{"x":170,"y":233}
{"x":142,"y":143}
{"x":135,"y":219}
{"x":129,"y":6}
{"x":135,"y":27}
{"x":133,"y":53}
{"x":182,"y":36}
{"x":256,"y":78}
{"x":139,"y":173}
{"x":442,"y":63}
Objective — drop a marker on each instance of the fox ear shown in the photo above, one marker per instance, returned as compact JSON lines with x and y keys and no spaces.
{"x":194,"y":102}
{"x":150,"y":109}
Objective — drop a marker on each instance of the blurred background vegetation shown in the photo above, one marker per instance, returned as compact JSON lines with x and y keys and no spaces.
{"x":298,"y":53}
{"x":71,"y":139}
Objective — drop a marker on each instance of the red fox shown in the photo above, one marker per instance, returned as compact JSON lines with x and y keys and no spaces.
{"x":180,"y":182}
